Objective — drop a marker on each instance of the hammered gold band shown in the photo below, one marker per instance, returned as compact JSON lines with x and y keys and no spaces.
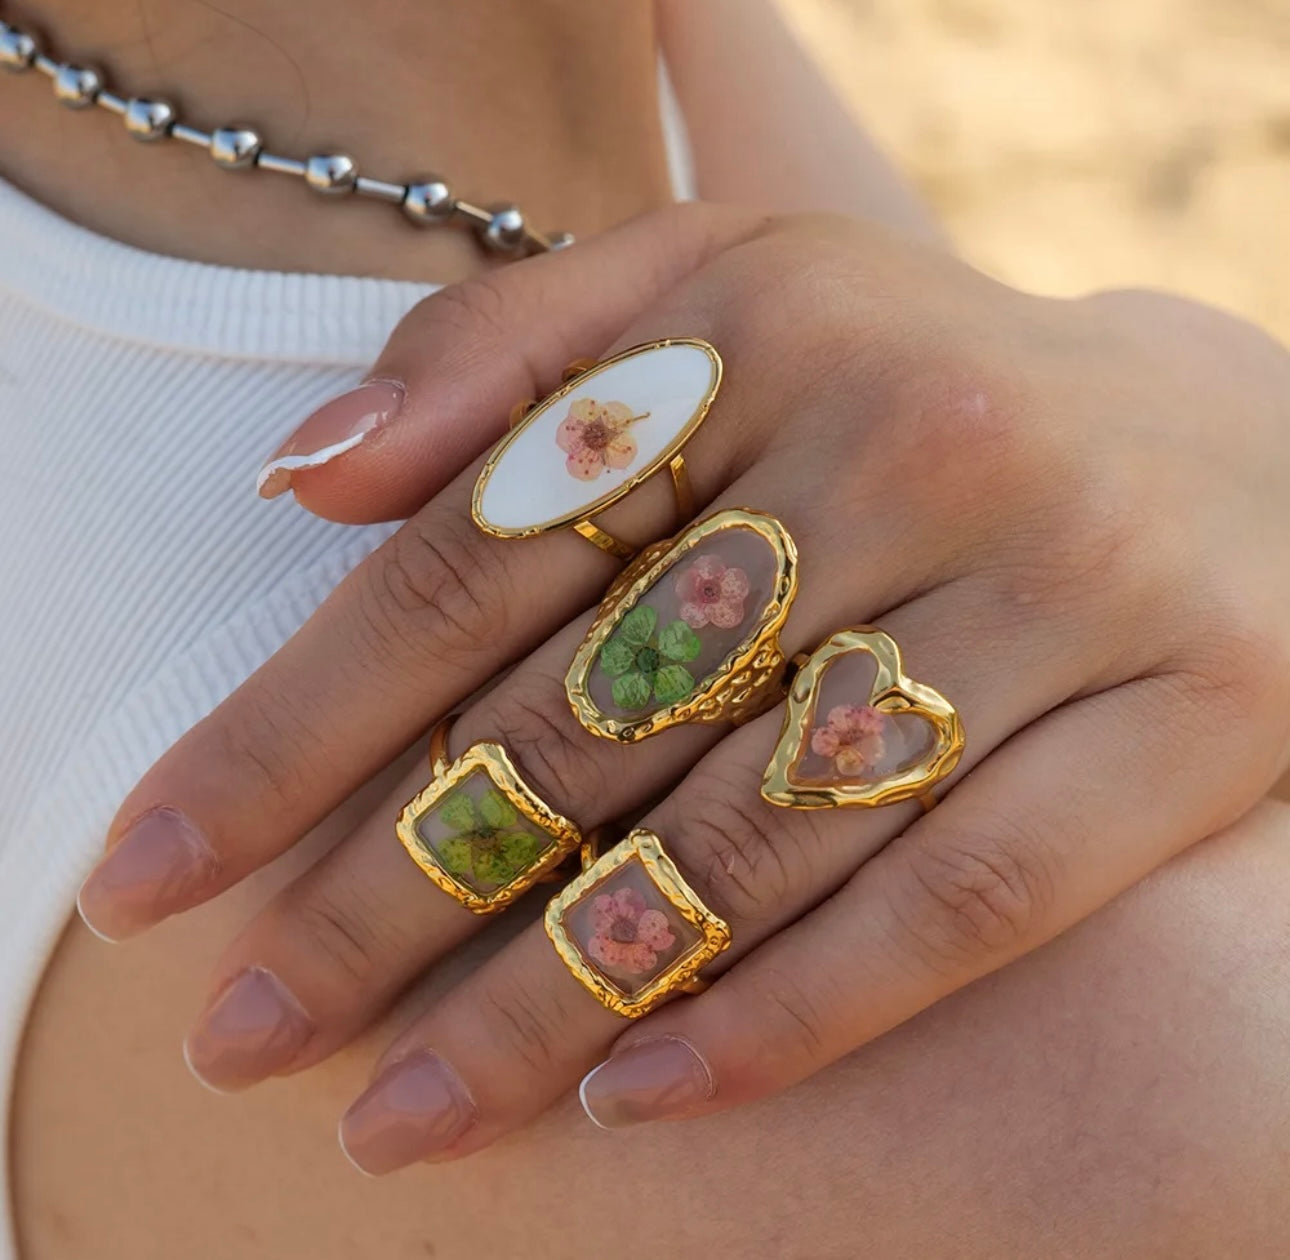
{"x":858,"y":731}
{"x":632,"y":931}
{"x":478,"y":831}
{"x":689,"y":631}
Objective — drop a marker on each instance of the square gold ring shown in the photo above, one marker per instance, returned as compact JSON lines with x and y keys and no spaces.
{"x":631,"y":930}
{"x":479,"y":832}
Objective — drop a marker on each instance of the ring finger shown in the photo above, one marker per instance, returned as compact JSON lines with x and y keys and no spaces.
{"x":337,"y":945}
{"x":498,"y":1049}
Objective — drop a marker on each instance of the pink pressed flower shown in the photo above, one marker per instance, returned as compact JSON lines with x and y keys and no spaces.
{"x":626,"y":935}
{"x":712,"y":594}
{"x":851,"y":739}
{"x":594,"y":438}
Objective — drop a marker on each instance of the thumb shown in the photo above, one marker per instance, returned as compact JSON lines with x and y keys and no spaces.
{"x":444,"y":386}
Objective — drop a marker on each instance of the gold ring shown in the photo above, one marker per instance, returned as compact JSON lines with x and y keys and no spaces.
{"x":610,"y":426}
{"x":858,"y":732}
{"x":632,"y":930}
{"x":478,"y":831}
{"x":689,"y":632}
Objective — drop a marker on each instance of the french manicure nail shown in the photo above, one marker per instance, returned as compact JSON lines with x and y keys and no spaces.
{"x":651,"y":1080}
{"x":333,"y":429}
{"x":160,"y":866}
{"x":254,"y":1028}
{"x":416,"y":1108}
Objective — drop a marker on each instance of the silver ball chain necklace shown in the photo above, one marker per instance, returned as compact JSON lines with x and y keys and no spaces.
{"x":428,"y":201}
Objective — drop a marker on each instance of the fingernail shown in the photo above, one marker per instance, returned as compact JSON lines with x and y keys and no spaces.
{"x":416,"y":1108}
{"x":648,"y":1081}
{"x":253,"y":1029}
{"x":333,"y":429}
{"x":160,"y":866}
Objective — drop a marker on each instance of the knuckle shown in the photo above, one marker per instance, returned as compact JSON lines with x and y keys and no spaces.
{"x":972,"y":898}
{"x":271,"y":749}
{"x":438,"y":589}
{"x":346,"y":942}
{"x":535,"y":1032}
{"x":796,"y":1017}
{"x":1236,"y":674}
{"x":744,"y":858}
{"x":973,"y":419}
{"x":534,"y":723}
{"x":475,"y":309}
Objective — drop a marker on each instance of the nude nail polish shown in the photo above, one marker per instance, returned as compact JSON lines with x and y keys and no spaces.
{"x":335,"y":428}
{"x":253,"y":1029}
{"x":651,"y":1080}
{"x":415,"y":1109}
{"x":161,"y":865}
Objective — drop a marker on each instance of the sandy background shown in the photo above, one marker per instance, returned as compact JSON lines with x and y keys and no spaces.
{"x":1076,"y":144}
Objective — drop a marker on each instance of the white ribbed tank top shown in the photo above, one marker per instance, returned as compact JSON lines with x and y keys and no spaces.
{"x":141,"y":577}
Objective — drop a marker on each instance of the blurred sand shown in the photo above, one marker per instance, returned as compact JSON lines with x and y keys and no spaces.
{"x":1086,"y":143}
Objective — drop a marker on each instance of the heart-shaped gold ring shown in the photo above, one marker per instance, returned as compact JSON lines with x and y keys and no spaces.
{"x":858,"y":732}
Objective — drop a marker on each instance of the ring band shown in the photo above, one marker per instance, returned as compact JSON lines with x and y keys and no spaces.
{"x":857,"y":731}
{"x":478,"y":831}
{"x":609,"y":427}
{"x":689,"y":632}
{"x":631,"y":930}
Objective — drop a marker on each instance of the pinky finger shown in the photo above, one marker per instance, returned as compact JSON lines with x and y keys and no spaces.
{"x":1070,"y":812}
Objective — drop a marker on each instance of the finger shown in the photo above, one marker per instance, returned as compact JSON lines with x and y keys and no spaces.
{"x":1066,"y":815}
{"x":334,"y":948}
{"x":429,"y":617}
{"x":456,"y":365}
{"x":503,"y":1045}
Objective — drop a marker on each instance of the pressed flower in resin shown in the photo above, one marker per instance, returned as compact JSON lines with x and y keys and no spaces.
{"x":712,"y":593}
{"x":488,"y":844}
{"x":852,"y":738}
{"x":648,"y":662}
{"x":595,"y":437}
{"x":627,"y":935}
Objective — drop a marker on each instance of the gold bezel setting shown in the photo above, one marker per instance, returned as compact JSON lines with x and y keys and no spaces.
{"x":645,"y":847}
{"x":892,"y":692}
{"x":745,"y":681}
{"x":581,"y":516}
{"x":494,"y":761}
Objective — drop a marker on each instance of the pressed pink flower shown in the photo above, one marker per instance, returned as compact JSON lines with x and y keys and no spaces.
{"x":852,"y":738}
{"x":594,"y":438}
{"x":626,"y":934}
{"x":712,"y":593}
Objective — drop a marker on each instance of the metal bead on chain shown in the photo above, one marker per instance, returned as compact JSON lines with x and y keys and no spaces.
{"x":427,"y":201}
{"x":331,"y":173}
{"x":77,"y":87}
{"x":235,"y":147}
{"x":148,"y":120}
{"x":17,"y":48}
{"x":505,"y":230}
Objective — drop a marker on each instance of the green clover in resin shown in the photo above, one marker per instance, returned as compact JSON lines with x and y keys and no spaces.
{"x":647,"y":662}
{"x":490,"y":845}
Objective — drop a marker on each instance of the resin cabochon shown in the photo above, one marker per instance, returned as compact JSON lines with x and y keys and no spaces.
{"x":530,"y":486}
{"x":736,"y":546}
{"x":433,"y":830}
{"x":578,"y":919}
{"x":848,"y":679}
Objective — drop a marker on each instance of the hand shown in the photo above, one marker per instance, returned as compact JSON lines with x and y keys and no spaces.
{"x":1071,"y":515}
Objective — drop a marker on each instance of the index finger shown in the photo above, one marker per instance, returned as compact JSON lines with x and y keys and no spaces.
{"x":432,"y":615}
{"x":454,"y":367}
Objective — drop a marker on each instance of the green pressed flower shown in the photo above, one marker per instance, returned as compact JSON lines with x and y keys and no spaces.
{"x":490,"y":847}
{"x":646,"y":662}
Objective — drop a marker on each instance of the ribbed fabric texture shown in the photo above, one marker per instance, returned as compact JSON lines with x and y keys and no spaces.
{"x":142,"y":578}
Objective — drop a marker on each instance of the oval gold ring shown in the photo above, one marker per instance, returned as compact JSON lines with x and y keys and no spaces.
{"x":607,"y":429}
